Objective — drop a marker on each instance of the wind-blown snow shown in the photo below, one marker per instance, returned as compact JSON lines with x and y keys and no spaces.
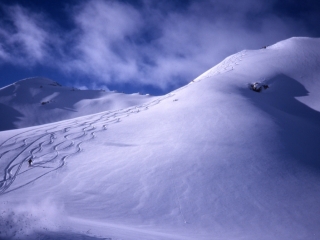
{"x":211,"y":160}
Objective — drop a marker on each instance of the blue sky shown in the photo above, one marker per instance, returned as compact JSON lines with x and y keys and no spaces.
{"x":141,"y":46}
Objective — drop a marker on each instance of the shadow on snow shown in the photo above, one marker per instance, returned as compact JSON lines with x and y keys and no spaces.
{"x":299,"y":124}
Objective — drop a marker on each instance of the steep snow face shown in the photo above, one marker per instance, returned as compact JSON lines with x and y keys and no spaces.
{"x":297,"y":58}
{"x":35,"y":101}
{"x":211,"y":160}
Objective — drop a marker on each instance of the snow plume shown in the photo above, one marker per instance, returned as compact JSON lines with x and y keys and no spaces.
{"x":160,"y":43}
{"x":29,"y":218}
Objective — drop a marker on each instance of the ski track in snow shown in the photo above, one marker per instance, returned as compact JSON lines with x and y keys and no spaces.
{"x":50,"y":146}
{"x":226,"y":65}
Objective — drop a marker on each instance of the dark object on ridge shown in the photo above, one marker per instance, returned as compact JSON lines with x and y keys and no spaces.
{"x":257,"y":87}
{"x":30,"y":162}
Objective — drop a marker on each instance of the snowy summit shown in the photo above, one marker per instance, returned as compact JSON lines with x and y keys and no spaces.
{"x":232,"y":155}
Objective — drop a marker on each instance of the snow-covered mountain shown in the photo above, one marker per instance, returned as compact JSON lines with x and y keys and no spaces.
{"x":211,"y":160}
{"x":35,"y":101}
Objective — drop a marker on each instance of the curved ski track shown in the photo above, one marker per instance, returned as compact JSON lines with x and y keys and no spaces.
{"x":226,"y":65}
{"x":50,"y":146}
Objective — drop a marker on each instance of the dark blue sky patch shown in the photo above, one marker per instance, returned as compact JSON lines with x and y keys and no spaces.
{"x":305,"y":11}
{"x":56,"y":10}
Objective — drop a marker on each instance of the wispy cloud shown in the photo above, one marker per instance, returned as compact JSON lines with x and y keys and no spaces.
{"x":102,"y":47}
{"x":26,"y":39}
{"x":159,"y":43}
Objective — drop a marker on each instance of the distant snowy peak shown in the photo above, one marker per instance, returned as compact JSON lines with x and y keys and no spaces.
{"x":38,"y":80}
{"x":33,"y":82}
{"x":35,"y":101}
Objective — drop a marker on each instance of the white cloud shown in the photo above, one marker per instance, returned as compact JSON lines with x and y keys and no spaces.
{"x":102,"y":48}
{"x":29,"y":33}
{"x":25,"y":40}
{"x":114,"y":42}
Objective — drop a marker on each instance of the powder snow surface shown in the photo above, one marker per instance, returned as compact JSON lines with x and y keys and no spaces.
{"x":211,"y":160}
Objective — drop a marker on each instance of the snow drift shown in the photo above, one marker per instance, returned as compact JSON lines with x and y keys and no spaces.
{"x":211,"y":160}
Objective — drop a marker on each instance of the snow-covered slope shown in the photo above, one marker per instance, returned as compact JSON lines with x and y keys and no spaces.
{"x":35,"y":101}
{"x":212,"y":160}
